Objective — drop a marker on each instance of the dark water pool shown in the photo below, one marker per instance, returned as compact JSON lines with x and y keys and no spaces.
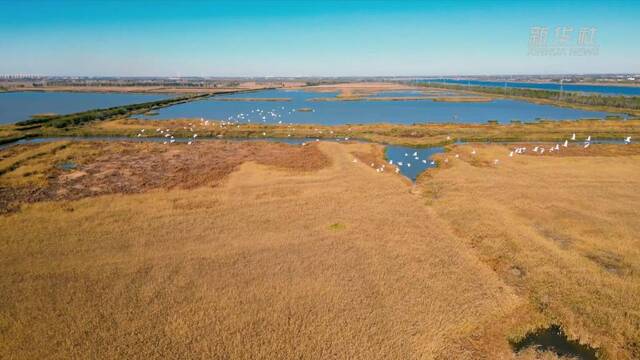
{"x":553,"y":339}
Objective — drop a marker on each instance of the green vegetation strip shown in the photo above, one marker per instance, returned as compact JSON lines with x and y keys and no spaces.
{"x":619,"y":102}
{"x":61,"y":121}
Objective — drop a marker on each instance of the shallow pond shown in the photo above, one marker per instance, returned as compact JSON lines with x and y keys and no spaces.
{"x":362,"y":112}
{"x":18,"y":106}
{"x":553,"y":339}
{"x":412,"y":161}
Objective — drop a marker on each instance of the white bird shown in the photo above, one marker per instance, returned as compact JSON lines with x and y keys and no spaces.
{"x":566,"y":143}
{"x":415,"y":153}
{"x":372,"y":164}
{"x":424,"y":161}
{"x":189,"y":143}
{"x":433,"y":162}
{"x":397,"y":170}
{"x":405,"y":154}
{"x":195,"y":135}
{"x":586,"y":145}
{"x":399,"y":163}
{"x":408,"y":164}
{"x":573,"y":137}
{"x":588,"y":138}
{"x":496,"y":161}
{"x":390,"y":162}
{"x":511,"y":154}
{"x":557,"y":147}
{"x":627,"y":140}
{"x":535,"y":149}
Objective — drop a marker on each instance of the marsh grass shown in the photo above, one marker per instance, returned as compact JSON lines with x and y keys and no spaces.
{"x":249,"y":269}
{"x":568,"y":223}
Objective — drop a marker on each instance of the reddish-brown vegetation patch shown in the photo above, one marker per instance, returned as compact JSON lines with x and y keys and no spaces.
{"x":133,"y":168}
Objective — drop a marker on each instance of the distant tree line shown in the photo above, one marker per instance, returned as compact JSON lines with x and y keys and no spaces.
{"x":622,"y":102}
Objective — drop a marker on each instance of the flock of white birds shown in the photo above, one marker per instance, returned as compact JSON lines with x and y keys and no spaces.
{"x":260,"y":115}
{"x":411,"y":159}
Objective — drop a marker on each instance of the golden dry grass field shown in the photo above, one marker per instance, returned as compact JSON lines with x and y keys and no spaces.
{"x":262,"y":250}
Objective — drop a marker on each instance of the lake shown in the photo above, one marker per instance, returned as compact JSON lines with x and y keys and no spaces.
{"x":602,"y":89}
{"x":362,"y":112}
{"x":18,"y":106}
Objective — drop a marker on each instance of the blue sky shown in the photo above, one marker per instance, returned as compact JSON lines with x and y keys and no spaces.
{"x":298,"y":38}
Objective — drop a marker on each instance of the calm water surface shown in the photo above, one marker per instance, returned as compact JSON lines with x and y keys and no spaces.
{"x":412,"y":161}
{"x":17,"y":106}
{"x":363,"y":112}
{"x":602,"y":89}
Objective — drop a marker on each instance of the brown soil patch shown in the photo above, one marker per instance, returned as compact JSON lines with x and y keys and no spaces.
{"x":136,"y":167}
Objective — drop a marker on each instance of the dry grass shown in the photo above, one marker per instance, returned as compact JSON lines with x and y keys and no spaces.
{"x":32,"y":173}
{"x":341,"y":262}
{"x":411,"y":135}
{"x":298,"y":252}
{"x":562,"y":229}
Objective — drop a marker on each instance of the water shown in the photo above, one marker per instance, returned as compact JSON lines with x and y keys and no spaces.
{"x":554,"y":339}
{"x":398,"y":154}
{"x":18,"y":106}
{"x":38,"y":140}
{"x":403,"y":157}
{"x":392,"y":152}
{"x":363,"y":112}
{"x":601,"y":89}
